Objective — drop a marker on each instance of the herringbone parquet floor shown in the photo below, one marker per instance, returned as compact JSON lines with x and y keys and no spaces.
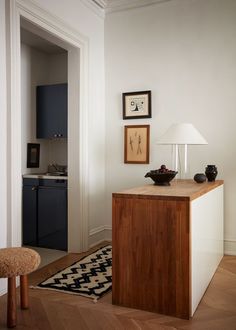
{"x":51,"y":310}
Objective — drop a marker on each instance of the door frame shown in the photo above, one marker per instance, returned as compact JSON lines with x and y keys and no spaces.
{"x":78,"y":92}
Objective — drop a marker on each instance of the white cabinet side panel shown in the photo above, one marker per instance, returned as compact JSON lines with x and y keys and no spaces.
{"x":206,"y":240}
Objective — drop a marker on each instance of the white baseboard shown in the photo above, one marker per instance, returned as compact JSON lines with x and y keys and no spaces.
{"x":3,"y":286}
{"x":3,"y":291}
{"x":99,"y":234}
{"x":230,"y":247}
{"x":104,"y":233}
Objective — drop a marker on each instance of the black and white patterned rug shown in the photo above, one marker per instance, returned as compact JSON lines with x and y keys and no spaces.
{"x":90,"y":277}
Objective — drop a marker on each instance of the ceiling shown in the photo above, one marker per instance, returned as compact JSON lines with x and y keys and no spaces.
{"x":117,"y":5}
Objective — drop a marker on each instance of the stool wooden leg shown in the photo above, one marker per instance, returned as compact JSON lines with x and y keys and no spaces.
{"x":24,"y":294}
{"x":11,"y":302}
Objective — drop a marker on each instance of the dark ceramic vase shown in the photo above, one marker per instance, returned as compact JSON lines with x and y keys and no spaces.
{"x":211,"y":172}
{"x":199,"y":177}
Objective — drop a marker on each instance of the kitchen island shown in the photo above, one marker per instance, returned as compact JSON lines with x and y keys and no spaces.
{"x":167,"y":243}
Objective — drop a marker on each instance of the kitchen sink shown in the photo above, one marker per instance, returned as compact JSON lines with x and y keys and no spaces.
{"x":56,"y":174}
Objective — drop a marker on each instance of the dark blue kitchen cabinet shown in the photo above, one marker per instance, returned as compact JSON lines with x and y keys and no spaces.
{"x":51,"y":109}
{"x":45,"y":213}
{"x":30,"y":213}
{"x":52,"y":217}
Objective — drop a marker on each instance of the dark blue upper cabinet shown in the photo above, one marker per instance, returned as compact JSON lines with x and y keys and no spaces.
{"x":51,"y":107}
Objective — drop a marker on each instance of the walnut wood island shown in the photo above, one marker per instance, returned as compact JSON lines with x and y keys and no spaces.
{"x":167,"y":243}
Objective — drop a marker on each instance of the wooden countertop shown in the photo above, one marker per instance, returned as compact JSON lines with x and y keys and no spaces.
{"x":178,"y":190}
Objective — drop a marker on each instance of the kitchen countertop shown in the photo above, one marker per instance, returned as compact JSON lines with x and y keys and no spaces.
{"x":44,"y":176}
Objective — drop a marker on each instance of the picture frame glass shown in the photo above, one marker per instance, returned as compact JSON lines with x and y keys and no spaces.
{"x":137,"y":105}
{"x":33,"y":155}
{"x":137,"y":144}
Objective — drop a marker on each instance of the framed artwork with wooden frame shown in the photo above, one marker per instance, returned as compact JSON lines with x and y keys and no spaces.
{"x":33,"y":151}
{"x":137,"y":105}
{"x":136,"y":144}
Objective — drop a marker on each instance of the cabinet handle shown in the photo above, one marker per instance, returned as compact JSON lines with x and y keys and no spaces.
{"x":34,"y":188}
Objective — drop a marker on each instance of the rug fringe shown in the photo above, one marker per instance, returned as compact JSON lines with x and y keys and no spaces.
{"x":94,"y":299}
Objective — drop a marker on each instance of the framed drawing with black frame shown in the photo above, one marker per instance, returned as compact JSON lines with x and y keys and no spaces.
{"x":33,"y":152}
{"x":137,"y":105}
{"x":136,"y":144}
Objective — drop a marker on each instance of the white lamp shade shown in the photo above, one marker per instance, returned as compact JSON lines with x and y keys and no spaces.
{"x":183,"y":133}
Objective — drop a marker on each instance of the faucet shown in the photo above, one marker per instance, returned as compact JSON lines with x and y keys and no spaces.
{"x":56,"y":167}
{"x":53,"y":167}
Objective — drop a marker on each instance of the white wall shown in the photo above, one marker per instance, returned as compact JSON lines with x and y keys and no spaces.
{"x":3,"y":138}
{"x":40,"y":68}
{"x":184,"y":51}
{"x":57,"y":73}
{"x":34,"y":69}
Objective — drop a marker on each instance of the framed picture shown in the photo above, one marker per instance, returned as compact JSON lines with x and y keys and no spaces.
{"x":137,"y":105}
{"x":136,"y":144}
{"x":33,"y":151}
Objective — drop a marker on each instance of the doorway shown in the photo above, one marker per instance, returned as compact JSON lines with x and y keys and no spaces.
{"x":47,"y":27}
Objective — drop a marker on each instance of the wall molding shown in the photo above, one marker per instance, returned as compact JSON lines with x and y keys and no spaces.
{"x":3,"y":126}
{"x":3,"y":286}
{"x":104,"y":233}
{"x":3,"y":291}
{"x":99,"y":235}
{"x":97,"y":6}
{"x":40,"y":16}
{"x":94,"y":231}
{"x":230,"y":247}
{"x":101,"y":3}
{"x":120,"y":5}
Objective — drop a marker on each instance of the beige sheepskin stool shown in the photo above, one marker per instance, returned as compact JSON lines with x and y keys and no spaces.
{"x":17,"y":262}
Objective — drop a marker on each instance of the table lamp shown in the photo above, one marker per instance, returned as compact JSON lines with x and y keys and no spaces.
{"x":181,"y":134}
